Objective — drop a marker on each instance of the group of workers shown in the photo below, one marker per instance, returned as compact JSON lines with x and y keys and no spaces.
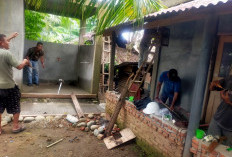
{"x":220,"y":124}
{"x":10,"y":93}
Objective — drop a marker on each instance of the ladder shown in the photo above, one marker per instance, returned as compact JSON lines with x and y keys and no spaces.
{"x":105,"y":60}
{"x":132,"y":79}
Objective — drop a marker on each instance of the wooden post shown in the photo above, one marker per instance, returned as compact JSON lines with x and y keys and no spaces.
{"x":112,"y":59}
{"x":155,"y":72}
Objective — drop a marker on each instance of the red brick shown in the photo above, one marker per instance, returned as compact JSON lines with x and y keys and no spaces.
{"x":194,"y":151}
{"x":194,"y":146}
{"x":171,"y":138}
{"x":221,"y":155}
{"x":212,"y":155}
{"x":204,"y":151}
{"x":165,"y":134}
{"x":195,"y":141}
{"x":169,"y":127}
{"x":204,"y":146}
{"x":160,"y":130}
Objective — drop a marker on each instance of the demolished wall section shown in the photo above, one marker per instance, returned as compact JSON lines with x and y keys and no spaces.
{"x":160,"y":136}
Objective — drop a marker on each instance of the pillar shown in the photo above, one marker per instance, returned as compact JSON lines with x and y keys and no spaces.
{"x":209,"y":35}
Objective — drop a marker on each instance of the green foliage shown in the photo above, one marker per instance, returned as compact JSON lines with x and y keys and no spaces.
{"x":34,"y":24}
{"x":51,"y":28}
{"x":109,"y":12}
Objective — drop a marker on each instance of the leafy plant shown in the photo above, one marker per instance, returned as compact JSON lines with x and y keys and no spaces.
{"x":109,"y":12}
{"x":34,"y":24}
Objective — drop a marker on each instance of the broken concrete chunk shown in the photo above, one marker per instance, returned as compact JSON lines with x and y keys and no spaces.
{"x":91,"y":116}
{"x":71,"y":119}
{"x":7,"y":118}
{"x":93,"y":127}
{"x":101,"y":129}
{"x":58,"y":117}
{"x":96,"y":132}
{"x":61,"y":126}
{"x":28,"y":119}
{"x":81,"y":124}
{"x":20,"y":118}
{"x":39,"y":118}
{"x":100,"y":136}
{"x":3,"y":123}
{"x":87,"y":129}
{"x":49,"y":118}
{"x":103,"y":115}
{"x":82,"y":120}
{"x":89,"y":124}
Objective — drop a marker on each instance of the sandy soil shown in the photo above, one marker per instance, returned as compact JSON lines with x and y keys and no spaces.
{"x":33,"y":141}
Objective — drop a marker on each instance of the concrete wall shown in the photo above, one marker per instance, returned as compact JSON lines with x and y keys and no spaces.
{"x":65,"y":69}
{"x":183,"y":54}
{"x":85,"y":67}
{"x":12,"y":20}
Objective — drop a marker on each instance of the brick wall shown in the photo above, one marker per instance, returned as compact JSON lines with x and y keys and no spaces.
{"x":199,"y":148}
{"x":161,"y":136}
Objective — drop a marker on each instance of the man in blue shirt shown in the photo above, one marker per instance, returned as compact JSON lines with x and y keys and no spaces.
{"x":171,"y":87}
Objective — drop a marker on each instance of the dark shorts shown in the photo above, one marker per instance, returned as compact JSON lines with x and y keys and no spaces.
{"x":10,"y":100}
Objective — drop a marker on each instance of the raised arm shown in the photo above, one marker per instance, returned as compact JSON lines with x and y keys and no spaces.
{"x":13,"y":35}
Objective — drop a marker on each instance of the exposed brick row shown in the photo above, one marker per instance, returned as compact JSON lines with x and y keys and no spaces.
{"x":165,"y":137}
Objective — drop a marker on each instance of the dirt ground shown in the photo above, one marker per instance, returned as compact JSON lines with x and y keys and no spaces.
{"x":33,"y":141}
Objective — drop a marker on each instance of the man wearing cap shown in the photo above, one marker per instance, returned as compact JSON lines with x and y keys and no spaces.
{"x":171,"y":88}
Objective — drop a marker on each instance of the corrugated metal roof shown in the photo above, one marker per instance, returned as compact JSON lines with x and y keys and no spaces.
{"x":181,"y":8}
{"x":188,"y":6}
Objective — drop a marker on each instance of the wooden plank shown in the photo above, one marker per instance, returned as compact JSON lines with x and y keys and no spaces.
{"x":55,"y":96}
{"x":77,"y":106}
{"x":213,"y":104}
{"x":126,"y":134}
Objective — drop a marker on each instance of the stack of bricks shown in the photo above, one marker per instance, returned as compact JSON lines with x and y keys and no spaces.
{"x":163,"y":136}
{"x":200,"y":149}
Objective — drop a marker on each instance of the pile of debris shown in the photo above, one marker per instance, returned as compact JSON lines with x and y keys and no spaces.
{"x":95,"y":124}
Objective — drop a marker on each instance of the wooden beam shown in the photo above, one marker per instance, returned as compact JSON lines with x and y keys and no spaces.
{"x":112,"y":59}
{"x":55,"y":96}
{"x":77,"y":106}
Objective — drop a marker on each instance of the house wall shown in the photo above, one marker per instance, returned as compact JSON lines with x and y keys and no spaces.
{"x":54,"y":70}
{"x":85,"y":67}
{"x":225,"y":24}
{"x":12,"y":20}
{"x":183,"y":54}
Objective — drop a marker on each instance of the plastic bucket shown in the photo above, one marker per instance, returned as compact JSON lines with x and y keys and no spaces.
{"x":200,"y":133}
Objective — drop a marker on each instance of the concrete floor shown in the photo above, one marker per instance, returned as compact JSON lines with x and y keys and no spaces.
{"x":57,"y":106}
{"x":52,"y":88}
{"x":35,"y":106}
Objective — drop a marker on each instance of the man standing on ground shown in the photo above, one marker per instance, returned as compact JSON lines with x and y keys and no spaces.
{"x":9,"y":91}
{"x":34,"y":54}
{"x":171,"y":88}
{"x":221,"y":124}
